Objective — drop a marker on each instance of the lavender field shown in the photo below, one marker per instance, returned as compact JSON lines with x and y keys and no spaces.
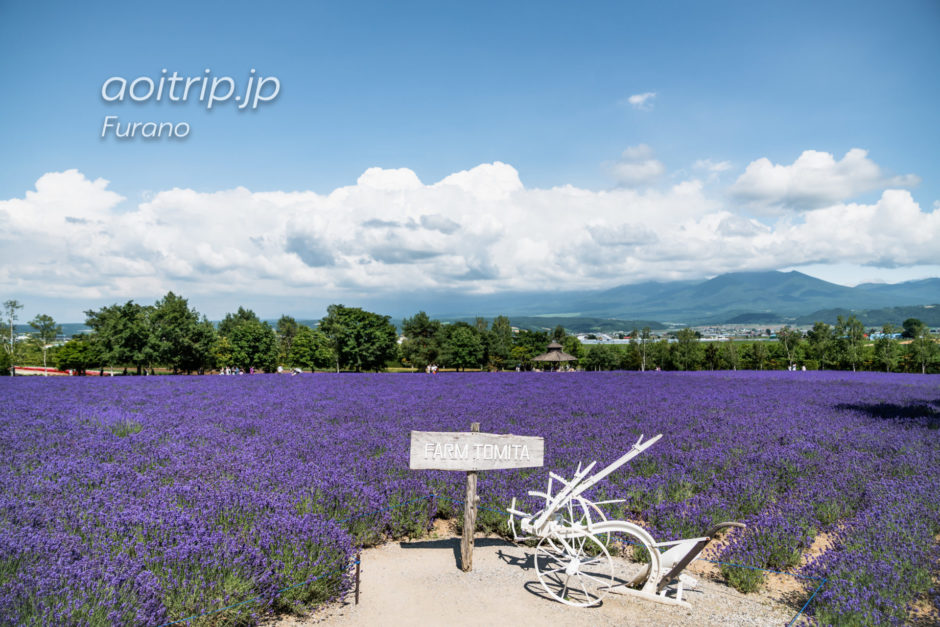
{"x":153,"y":499}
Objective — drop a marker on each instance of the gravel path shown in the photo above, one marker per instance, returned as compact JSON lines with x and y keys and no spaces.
{"x":420,"y":583}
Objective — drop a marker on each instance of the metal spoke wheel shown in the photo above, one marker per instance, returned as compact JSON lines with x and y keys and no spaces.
{"x":582,"y":512}
{"x":576,"y":570}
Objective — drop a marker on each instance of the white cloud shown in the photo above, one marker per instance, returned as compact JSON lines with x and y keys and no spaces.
{"x":480,"y":230}
{"x":61,"y":198}
{"x":377,"y":178}
{"x":712,"y":166}
{"x":637,"y":166}
{"x":814,"y":180}
{"x":892,"y":232}
{"x":642,"y":102}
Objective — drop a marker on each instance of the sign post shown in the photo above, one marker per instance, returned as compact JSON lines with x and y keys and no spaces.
{"x":471,"y":500}
{"x":473,"y":451}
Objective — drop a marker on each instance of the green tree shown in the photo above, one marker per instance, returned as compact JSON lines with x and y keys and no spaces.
{"x":123,"y":334}
{"x":559,"y":334}
{"x":659,"y":354}
{"x":912,"y":328}
{"x":6,"y":364}
{"x":500,"y":343}
{"x":486,"y":339}
{"x":850,"y":334}
{"x":630,"y":357}
{"x":521,"y":356}
{"x":602,"y":357}
{"x":572,"y":346}
{"x":923,"y":347}
{"x":222,"y":351}
{"x":310,"y":349}
{"x":462,"y":346}
{"x":232,"y":320}
{"x":643,"y":339}
{"x":180,"y":339}
{"x":712,"y":356}
{"x":254,"y":345}
{"x":535,"y":341}
{"x":789,"y":339}
{"x":820,"y":344}
{"x":361,"y":340}
{"x":246,"y":342}
{"x":78,"y":354}
{"x":287,"y":329}
{"x":688,"y":350}
{"x":201,"y":347}
{"x":46,"y":332}
{"x":759,"y":355}
{"x":10,"y":308}
{"x":422,"y":345}
{"x":886,"y":348}
{"x":731,"y":354}
{"x":526,"y":345}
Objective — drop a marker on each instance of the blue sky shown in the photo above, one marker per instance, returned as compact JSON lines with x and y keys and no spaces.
{"x":760,"y":123}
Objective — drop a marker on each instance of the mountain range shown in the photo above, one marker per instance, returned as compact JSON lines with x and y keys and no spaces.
{"x":738,"y":297}
{"x":745,"y":298}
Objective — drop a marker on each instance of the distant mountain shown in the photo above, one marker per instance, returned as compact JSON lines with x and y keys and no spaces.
{"x":736,"y":298}
{"x":754,"y":318}
{"x":928,"y":314}
{"x":777,"y":292}
{"x":742,"y":297}
{"x":923,"y":291}
{"x":582,"y":324}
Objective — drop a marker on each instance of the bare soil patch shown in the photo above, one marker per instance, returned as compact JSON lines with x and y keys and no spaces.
{"x":420,"y":583}
{"x":793,"y":589}
{"x":926,"y":611}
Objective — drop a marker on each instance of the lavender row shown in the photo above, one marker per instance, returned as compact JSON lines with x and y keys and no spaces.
{"x":140,"y":501}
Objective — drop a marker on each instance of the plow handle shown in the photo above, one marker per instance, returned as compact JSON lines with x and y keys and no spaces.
{"x":635,"y":450}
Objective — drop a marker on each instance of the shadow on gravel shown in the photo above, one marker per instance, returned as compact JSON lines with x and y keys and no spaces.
{"x":525,"y":563}
{"x":454,"y":545}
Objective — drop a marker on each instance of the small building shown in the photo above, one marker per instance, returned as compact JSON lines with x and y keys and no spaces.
{"x":555,"y":356}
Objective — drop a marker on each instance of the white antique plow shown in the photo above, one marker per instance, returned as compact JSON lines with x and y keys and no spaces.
{"x":573,"y":560}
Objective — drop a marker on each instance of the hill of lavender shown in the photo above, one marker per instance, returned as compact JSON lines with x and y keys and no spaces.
{"x":146,"y":500}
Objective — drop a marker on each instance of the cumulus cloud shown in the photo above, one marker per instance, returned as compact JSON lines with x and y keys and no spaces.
{"x":892,"y":232}
{"x":311,"y":250}
{"x":622,"y":235}
{"x":642,"y":102}
{"x":637,"y":166}
{"x":814,"y":180}
{"x":61,"y":197}
{"x":480,"y":230}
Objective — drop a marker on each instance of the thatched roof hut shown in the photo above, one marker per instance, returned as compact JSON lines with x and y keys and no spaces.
{"x":555,"y":354}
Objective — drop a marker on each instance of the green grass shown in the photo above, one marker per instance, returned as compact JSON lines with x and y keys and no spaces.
{"x":125,"y":427}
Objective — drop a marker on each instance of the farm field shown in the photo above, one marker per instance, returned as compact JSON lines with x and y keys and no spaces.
{"x":153,"y":499}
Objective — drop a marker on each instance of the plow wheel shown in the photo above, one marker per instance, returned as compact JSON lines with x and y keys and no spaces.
{"x":576,"y":570}
{"x":581,"y":512}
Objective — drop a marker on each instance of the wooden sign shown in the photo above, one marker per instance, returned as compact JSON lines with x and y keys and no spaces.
{"x":441,"y":450}
{"x":472,"y":451}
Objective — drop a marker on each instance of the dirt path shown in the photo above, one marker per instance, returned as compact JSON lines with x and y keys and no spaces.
{"x":420,"y":583}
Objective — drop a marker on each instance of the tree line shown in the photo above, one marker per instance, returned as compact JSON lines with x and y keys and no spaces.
{"x":843,"y":346}
{"x":484,"y":345}
{"x":172,"y":335}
